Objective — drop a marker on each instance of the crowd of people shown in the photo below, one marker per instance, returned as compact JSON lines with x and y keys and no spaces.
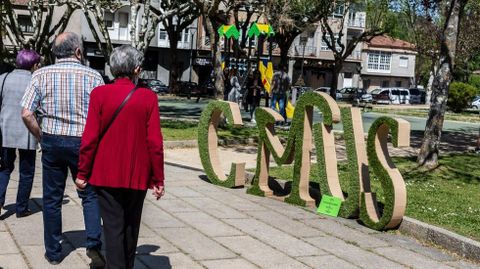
{"x":107,"y":136}
{"x":251,"y":95}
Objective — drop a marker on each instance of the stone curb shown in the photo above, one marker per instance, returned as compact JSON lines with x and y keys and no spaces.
{"x":221,"y":142}
{"x":453,"y":242}
{"x":180,"y":144}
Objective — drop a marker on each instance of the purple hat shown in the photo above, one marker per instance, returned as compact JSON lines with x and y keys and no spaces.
{"x":27,"y":58}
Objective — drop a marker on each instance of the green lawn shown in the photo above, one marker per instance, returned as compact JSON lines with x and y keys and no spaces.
{"x":448,"y":197}
{"x":466,"y":116}
{"x":174,"y":130}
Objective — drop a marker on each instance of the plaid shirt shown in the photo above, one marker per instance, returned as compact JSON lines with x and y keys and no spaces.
{"x":60,"y":93}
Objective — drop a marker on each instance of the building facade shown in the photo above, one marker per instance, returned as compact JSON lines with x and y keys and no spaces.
{"x":383,"y":62}
{"x":388,"y":62}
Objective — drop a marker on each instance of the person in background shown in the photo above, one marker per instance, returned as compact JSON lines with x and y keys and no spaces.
{"x":226,"y":82}
{"x":280,"y":87}
{"x":254,"y":92}
{"x":15,"y":135}
{"x":61,"y":92}
{"x":234,"y":94}
{"x":123,"y":157}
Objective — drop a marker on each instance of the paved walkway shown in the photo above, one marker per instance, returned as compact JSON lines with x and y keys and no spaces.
{"x":199,"y":225}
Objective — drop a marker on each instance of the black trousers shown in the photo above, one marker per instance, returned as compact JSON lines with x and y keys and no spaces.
{"x":121,"y":211}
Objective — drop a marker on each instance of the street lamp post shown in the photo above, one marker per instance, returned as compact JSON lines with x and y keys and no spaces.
{"x":192,"y":35}
{"x":303,"y":44}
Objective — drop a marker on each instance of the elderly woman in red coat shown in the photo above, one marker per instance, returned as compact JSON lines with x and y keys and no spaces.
{"x":123,"y":157}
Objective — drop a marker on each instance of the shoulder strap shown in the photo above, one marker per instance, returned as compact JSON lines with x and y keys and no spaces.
{"x":1,"y":91}
{"x":116,"y":113}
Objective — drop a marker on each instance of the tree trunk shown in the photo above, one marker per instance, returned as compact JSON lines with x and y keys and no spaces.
{"x":173,"y":76}
{"x":284,"y":49}
{"x":429,"y":151}
{"x":336,"y":69}
{"x":217,"y":57}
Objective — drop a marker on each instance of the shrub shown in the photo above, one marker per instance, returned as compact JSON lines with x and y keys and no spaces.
{"x":475,"y":82}
{"x":460,"y":96}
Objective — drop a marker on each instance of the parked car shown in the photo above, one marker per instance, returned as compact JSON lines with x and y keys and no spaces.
{"x":155,"y":85}
{"x":365,"y":98}
{"x":208,"y":88}
{"x":391,"y":96}
{"x":301,"y":90}
{"x":417,"y":96}
{"x":350,"y":94}
{"x":323,"y":89}
{"x":476,"y":102}
{"x":186,"y":88}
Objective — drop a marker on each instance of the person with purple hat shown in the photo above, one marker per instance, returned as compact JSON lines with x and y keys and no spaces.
{"x":15,"y":136}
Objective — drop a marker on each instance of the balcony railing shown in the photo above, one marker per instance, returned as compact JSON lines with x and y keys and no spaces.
{"x":310,"y":51}
{"x":357,"y":22}
{"x":356,"y":55}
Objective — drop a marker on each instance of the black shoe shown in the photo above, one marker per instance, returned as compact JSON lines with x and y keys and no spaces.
{"x":52,"y":262}
{"x":25,"y":213}
{"x":97,"y":258}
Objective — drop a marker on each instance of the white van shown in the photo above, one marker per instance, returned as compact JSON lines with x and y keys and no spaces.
{"x":388,"y":96}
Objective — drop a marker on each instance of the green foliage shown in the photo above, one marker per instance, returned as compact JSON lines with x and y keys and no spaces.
{"x":203,"y":142}
{"x":380,"y":172}
{"x":475,"y":82}
{"x":460,"y":95}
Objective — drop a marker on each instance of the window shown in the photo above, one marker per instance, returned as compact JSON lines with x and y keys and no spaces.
{"x":403,"y":61}
{"x":385,"y":84}
{"x":325,"y":47}
{"x":339,"y":9}
{"x":25,"y":24}
{"x":123,"y":19}
{"x":379,"y":62}
{"x":398,"y":83}
{"x":185,"y":35}
{"x":207,"y":41}
{"x":108,"y":19}
{"x":163,"y":35}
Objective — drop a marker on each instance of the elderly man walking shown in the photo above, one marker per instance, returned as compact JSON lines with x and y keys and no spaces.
{"x":14,"y":134}
{"x":61,"y":93}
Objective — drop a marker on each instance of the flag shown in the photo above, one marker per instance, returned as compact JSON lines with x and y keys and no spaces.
{"x":266,"y":71}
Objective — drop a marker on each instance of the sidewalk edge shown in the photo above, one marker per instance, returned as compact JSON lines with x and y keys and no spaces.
{"x":451,"y":241}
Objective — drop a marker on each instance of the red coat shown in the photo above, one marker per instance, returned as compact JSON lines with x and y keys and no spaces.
{"x":130,"y":154}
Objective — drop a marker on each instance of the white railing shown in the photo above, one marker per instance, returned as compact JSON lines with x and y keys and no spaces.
{"x":119,"y":33}
{"x":356,"y":55}
{"x":357,"y":22}
{"x":310,"y":51}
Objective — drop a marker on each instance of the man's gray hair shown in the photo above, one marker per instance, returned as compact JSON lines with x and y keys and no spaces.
{"x":66,"y":44}
{"x":124,"y":60}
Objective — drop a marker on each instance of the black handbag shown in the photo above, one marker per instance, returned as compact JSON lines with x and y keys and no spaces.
{"x":2,"y":163}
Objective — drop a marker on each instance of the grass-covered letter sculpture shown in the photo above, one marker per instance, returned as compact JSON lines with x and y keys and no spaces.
{"x":208,"y":143}
{"x":358,"y":199}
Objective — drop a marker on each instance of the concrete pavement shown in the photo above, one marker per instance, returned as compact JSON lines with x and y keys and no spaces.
{"x":199,"y":225}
